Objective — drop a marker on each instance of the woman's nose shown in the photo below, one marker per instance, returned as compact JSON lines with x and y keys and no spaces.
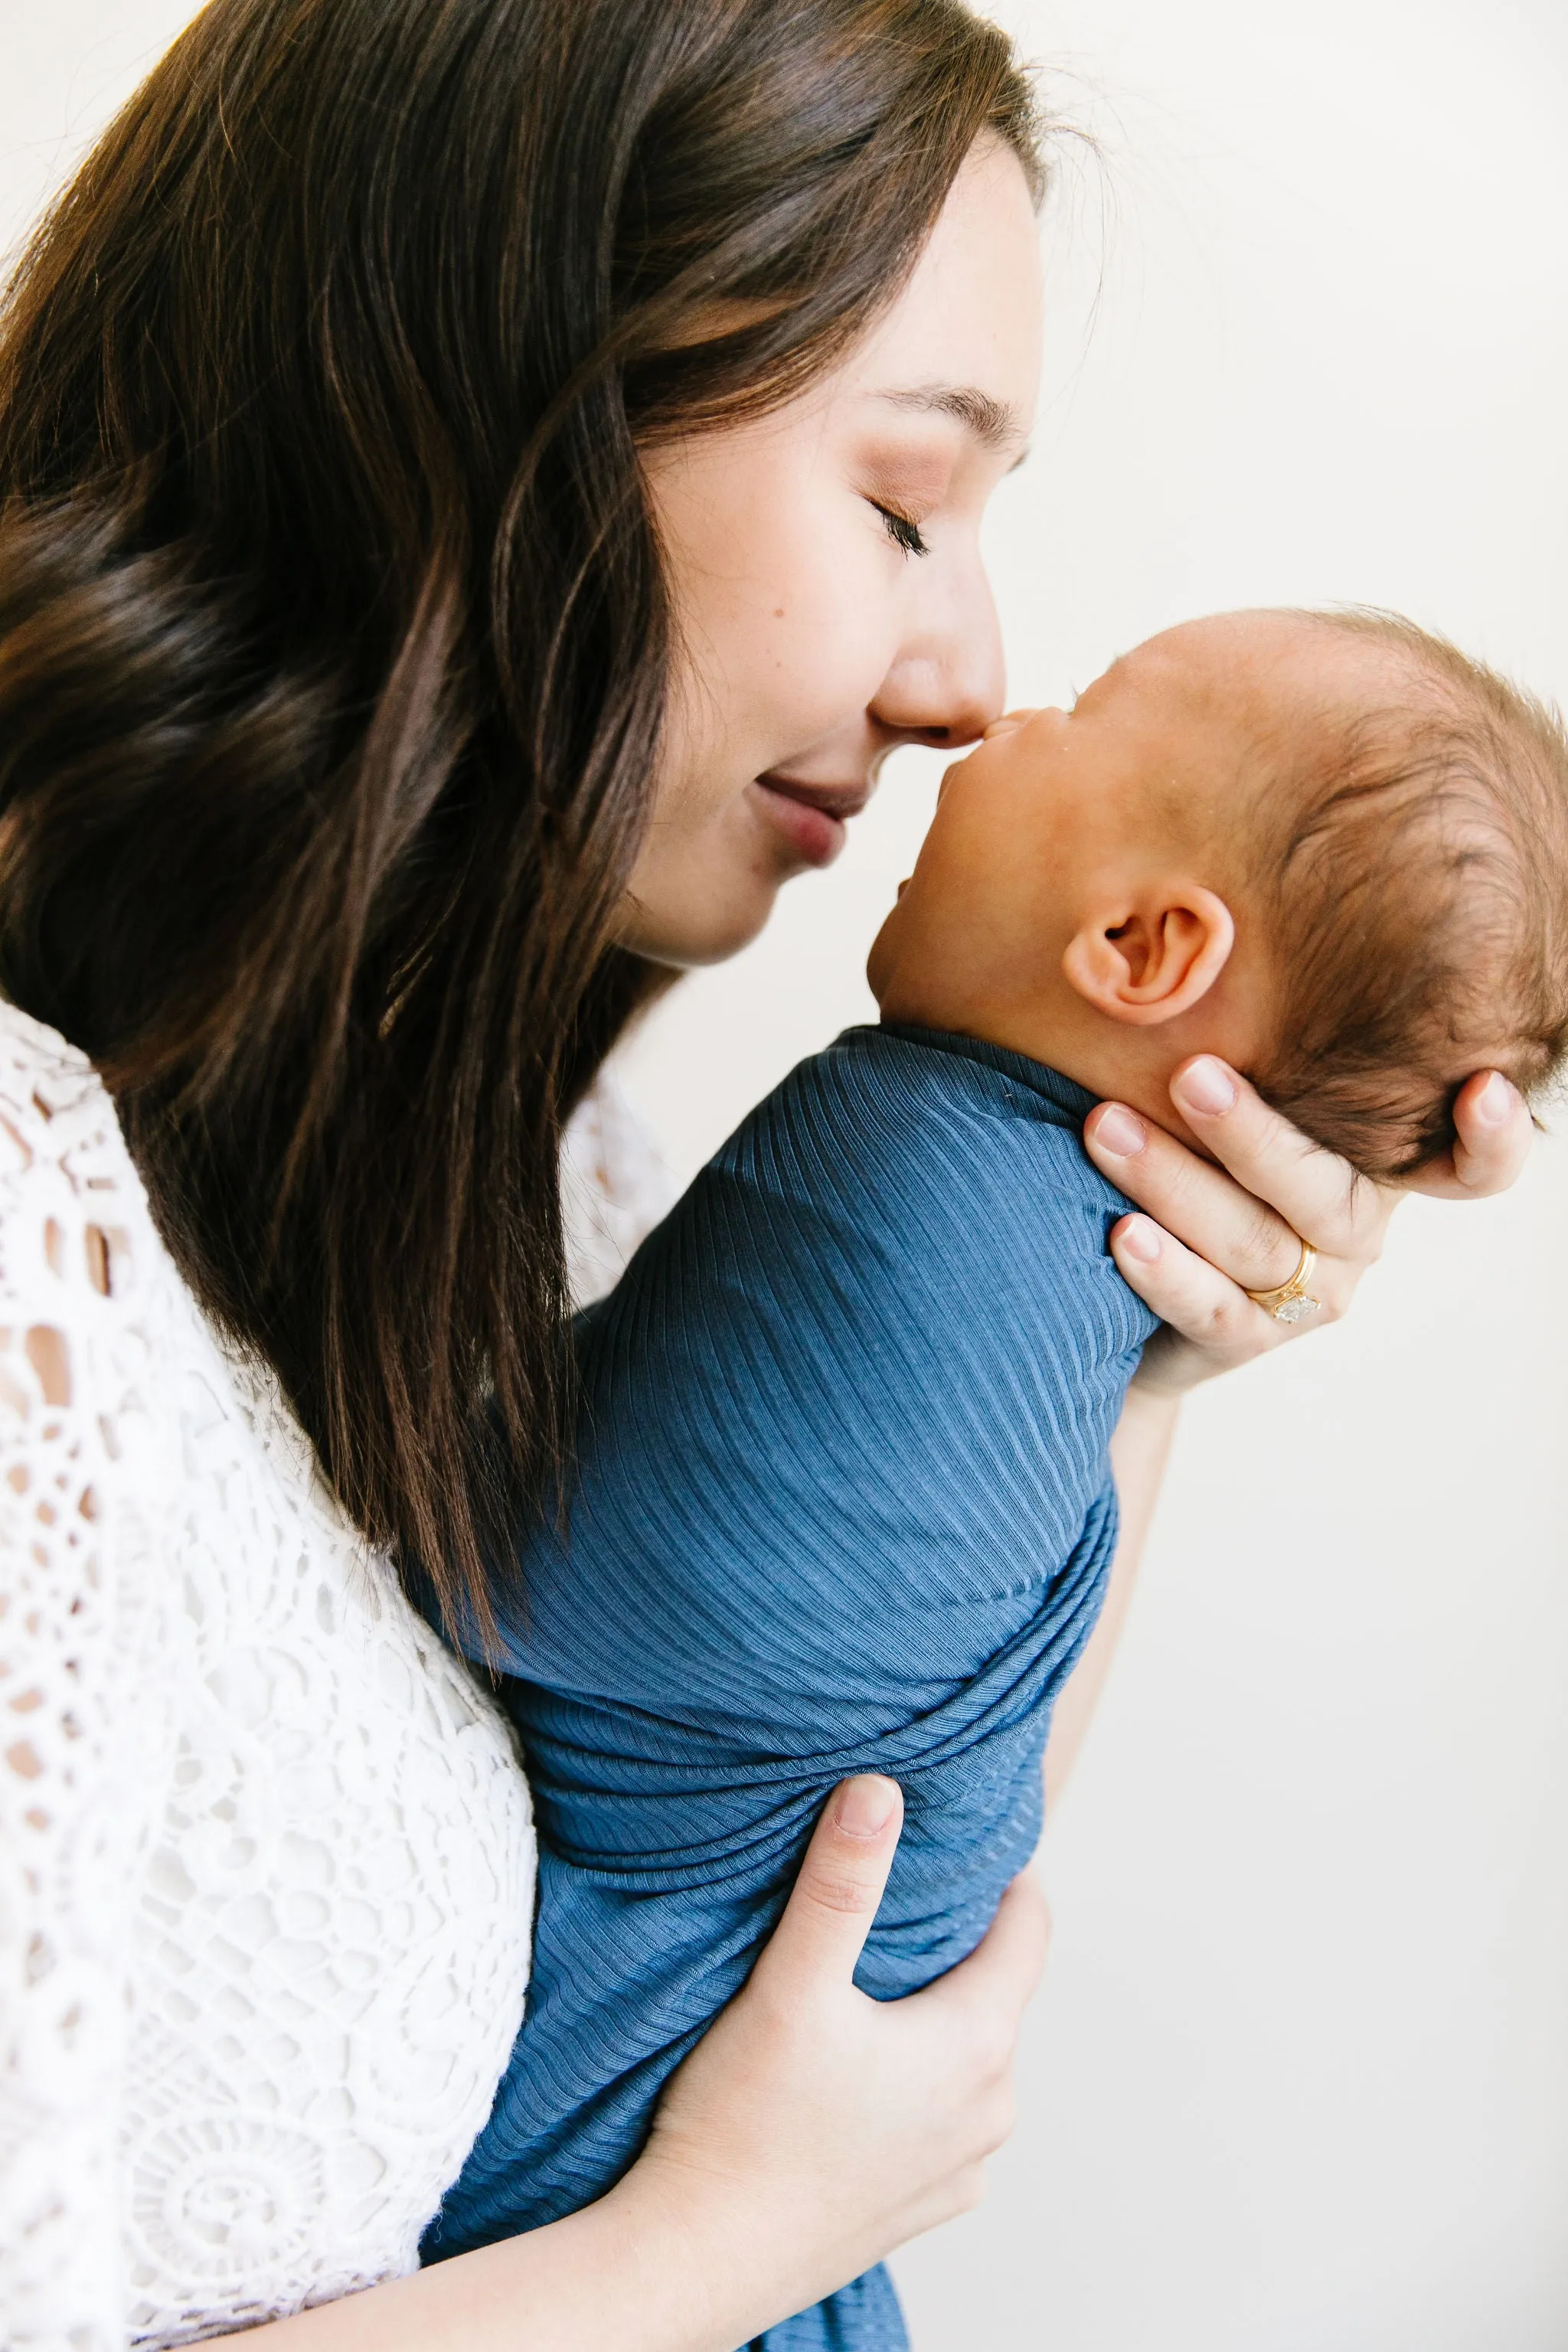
{"x":946,"y":684}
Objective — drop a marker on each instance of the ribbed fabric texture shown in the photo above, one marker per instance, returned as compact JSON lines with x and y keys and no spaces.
{"x":843,"y":1505}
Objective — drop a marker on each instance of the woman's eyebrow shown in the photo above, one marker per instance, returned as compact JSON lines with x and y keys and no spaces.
{"x":990,"y":421}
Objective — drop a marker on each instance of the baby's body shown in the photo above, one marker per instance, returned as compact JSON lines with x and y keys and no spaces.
{"x":843,"y":1501}
{"x":843,"y":1505}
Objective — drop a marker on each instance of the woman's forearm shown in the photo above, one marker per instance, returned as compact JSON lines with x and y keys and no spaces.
{"x":1139,"y":1455}
{"x":810,"y":2131}
{"x":1140,"y":1451}
{"x":626,"y":2275}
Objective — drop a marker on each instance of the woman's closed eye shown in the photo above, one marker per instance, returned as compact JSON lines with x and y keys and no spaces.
{"x":902,"y":529}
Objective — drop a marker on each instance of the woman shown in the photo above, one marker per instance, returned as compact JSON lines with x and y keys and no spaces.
{"x":485,"y":483}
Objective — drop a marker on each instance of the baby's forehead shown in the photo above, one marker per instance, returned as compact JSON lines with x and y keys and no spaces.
{"x":1274,"y":667}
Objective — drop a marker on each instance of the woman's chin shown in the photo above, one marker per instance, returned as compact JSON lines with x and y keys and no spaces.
{"x":687,"y":938}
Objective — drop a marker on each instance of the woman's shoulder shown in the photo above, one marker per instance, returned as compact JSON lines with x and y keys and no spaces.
{"x":76,"y":1234}
{"x":44,"y":1078}
{"x":74,"y":1226}
{"x":79,"y":1261}
{"x":63,"y":1161}
{"x":616,"y":1186}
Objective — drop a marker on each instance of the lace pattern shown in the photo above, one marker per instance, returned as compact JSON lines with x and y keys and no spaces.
{"x":266,"y":1857}
{"x":615,"y":1188}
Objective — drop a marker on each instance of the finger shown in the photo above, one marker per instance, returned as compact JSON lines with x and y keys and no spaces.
{"x":840,"y":1883}
{"x":1285,"y":1185}
{"x":1216,"y":1217}
{"x":1189,"y":1294}
{"x":1495,"y":1133}
{"x":1000,"y":1975}
{"x":1321,"y":1196}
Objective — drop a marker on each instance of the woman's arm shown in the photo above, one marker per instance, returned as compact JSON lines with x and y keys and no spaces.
{"x":1139,"y":1453}
{"x":810,"y":2132}
{"x":1212,"y":1232}
{"x":85,"y":1705}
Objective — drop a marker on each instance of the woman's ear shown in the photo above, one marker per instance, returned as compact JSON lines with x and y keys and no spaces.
{"x":1154,"y":960}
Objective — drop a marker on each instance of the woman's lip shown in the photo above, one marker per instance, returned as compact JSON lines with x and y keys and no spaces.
{"x":812,"y":817}
{"x":841,"y":801}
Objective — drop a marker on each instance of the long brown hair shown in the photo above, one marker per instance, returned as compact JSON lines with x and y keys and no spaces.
{"x":333,"y":639}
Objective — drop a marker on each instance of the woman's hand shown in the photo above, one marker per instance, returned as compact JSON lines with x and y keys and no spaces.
{"x":815,"y":2129}
{"x":1211,"y":1235}
{"x":810,"y":2132}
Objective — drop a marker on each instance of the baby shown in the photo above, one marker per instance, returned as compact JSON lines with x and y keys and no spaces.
{"x":1327,"y":847}
{"x":842,"y":1496}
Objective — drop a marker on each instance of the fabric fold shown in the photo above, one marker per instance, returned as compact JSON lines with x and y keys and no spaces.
{"x":842,"y":1504}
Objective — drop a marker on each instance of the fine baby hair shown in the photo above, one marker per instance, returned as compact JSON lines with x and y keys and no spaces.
{"x":1410,"y":860}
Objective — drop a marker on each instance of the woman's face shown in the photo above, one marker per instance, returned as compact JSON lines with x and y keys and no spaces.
{"x":829,"y":594}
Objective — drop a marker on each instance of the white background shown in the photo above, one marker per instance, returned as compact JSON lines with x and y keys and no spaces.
{"x":1300,"y":2079}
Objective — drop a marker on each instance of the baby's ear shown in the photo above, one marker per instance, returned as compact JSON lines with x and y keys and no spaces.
{"x":1151,"y":957}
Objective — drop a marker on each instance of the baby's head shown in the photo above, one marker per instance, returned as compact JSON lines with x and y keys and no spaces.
{"x":1326,"y":846}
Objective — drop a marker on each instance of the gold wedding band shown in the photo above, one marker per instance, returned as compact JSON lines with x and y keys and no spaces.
{"x":1291,"y":1302}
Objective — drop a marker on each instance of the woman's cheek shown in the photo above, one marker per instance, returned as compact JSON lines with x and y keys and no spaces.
{"x":829,"y":647}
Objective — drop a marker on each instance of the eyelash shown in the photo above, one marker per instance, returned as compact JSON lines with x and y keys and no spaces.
{"x":901,"y":531}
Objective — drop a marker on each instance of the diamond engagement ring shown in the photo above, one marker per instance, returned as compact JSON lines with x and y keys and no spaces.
{"x":1291,"y":1302}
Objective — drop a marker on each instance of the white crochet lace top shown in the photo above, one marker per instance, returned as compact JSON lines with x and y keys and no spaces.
{"x":265,"y":1859}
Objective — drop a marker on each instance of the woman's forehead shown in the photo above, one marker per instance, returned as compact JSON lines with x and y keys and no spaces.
{"x":970,"y":316}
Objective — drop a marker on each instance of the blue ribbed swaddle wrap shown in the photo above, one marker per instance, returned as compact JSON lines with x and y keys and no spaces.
{"x":842,"y":1506}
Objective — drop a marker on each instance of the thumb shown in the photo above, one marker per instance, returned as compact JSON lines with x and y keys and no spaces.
{"x":845,"y":1868}
{"x":1001,"y":1972}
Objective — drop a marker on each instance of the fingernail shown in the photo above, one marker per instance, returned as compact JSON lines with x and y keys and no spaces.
{"x":1494,"y":1101}
{"x":1118,"y":1133}
{"x":1206,"y":1087}
{"x":1141,"y":1239}
{"x":865,"y":1806}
